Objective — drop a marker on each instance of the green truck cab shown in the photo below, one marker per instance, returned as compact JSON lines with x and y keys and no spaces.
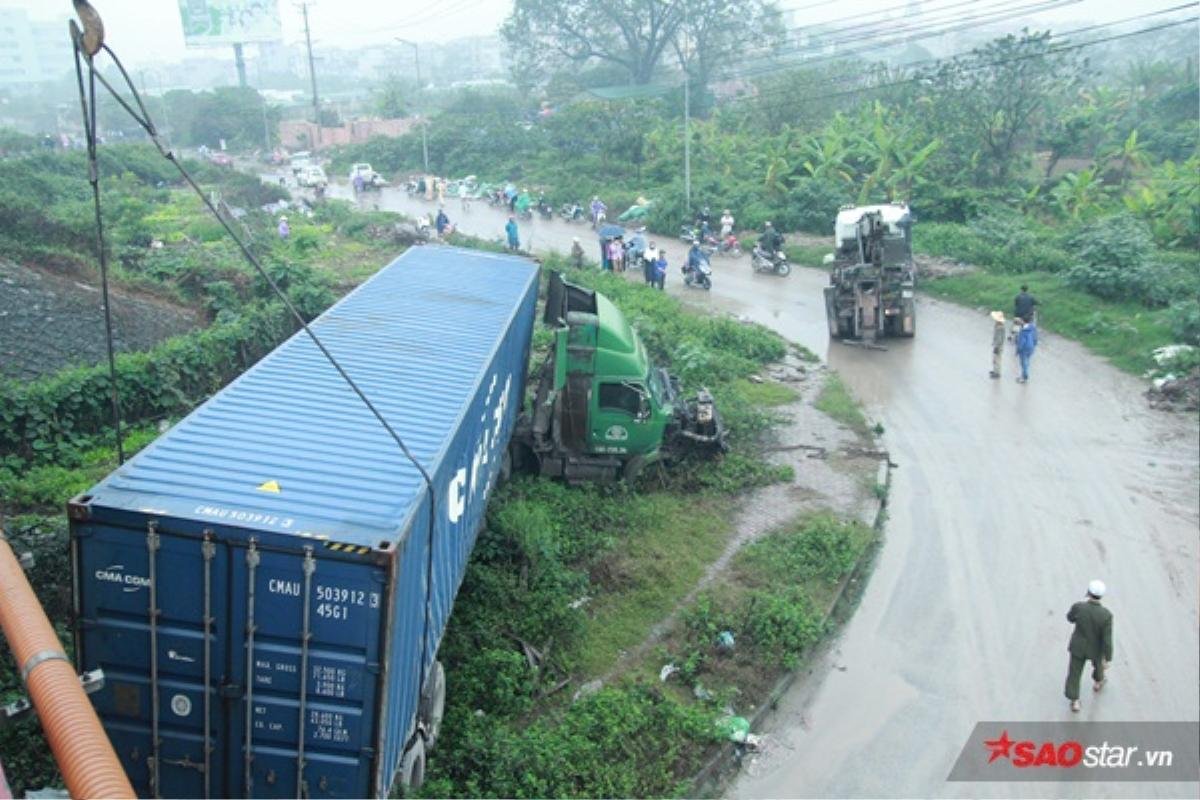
{"x":602,"y":410}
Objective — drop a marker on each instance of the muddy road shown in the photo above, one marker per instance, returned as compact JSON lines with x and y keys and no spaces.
{"x":1007,"y":500}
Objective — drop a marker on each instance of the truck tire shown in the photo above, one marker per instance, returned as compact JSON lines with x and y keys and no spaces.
{"x":412,"y":767}
{"x":433,"y":703}
{"x":632,"y":469}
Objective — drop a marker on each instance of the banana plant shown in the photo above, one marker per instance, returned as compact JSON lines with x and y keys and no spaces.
{"x":1080,"y":194}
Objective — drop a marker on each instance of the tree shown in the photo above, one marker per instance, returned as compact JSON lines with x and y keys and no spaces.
{"x":990,"y":105}
{"x":635,"y":35}
{"x":391,"y":98}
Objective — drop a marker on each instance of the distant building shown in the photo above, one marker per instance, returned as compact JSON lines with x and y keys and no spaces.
{"x":32,"y":52}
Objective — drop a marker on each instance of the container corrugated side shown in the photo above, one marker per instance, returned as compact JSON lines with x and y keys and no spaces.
{"x":445,"y":334}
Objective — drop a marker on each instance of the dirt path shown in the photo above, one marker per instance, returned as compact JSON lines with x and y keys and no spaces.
{"x":49,"y":321}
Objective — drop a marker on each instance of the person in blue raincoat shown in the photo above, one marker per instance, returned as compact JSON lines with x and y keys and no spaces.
{"x":1027,"y":340}
{"x":511,"y":231}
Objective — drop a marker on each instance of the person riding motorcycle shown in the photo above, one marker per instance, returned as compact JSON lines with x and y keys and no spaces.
{"x":771,"y":241}
{"x":695,"y":258}
{"x":597,"y":209}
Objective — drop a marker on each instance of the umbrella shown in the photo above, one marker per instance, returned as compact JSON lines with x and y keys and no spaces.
{"x":610,"y":231}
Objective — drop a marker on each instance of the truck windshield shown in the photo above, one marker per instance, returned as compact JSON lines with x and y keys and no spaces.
{"x":657,"y":390}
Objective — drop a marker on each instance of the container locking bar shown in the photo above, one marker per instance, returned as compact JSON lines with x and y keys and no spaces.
{"x":152,"y":545}
{"x":310,"y":566}
{"x":252,"y":559}
{"x":209,"y":550}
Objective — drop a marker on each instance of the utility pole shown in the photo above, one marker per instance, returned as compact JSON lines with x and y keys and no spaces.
{"x":420,"y":87}
{"x":684,"y":58}
{"x":312,"y":70}
{"x":240,"y":60}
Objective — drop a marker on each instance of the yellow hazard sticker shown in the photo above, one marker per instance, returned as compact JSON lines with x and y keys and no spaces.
{"x":270,"y":486}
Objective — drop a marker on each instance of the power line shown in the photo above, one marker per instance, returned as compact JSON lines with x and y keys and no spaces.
{"x":876,"y":40}
{"x":998,"y":62}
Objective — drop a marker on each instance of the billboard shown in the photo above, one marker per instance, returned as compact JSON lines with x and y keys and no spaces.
{"x":211,"y":22}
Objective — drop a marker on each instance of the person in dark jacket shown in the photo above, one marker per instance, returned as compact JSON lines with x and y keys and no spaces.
{"x":1024,"y":305}
{"x":1092,"y":640}
{"x":442,"y":222}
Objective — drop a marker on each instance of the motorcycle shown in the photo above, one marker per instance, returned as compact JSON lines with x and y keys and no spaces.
{"x":775,"y":263}
{"x":410,"y":188}
{"x":598,"y":220}
{"x":699,"y":275}
{"x":729,"y":246}
{"x":571,"y":212}
{"x":544,"y":209}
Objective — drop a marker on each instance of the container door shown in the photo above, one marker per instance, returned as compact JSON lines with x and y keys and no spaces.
{"x":156,"y":666}
{"x":305,"y":664}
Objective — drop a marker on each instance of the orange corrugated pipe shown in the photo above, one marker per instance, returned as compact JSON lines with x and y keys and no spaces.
{"x":85,"y":756}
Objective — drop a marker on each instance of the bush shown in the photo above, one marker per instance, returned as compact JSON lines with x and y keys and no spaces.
{"x":1114,"y":260}
{"x":815,"y":205}
{"x":1184,"y":318}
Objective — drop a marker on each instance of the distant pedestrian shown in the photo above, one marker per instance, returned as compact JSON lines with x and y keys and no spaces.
{"x":998,"y":335}
{"x":1092,"y":640}
{"x":616,"y":254}
{"x":1024,"y":305}
{"x":511,"y":231}
{"x":726,"y":224}
{"x":660,"y":271}
{"x":648,"y":259}
{"x":1027,"y":340}
{"x":285,"y":230}
{"x":576,"y":253}
{"x":442,"y":222}
{"x":360,"y":183}
{"x":441,"y":190}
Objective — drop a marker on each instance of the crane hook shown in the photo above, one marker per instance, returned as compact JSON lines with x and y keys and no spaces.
{"x":91,"y":38}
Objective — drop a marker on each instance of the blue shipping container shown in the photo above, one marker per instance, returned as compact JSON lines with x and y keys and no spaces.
{"x":262,"y":586}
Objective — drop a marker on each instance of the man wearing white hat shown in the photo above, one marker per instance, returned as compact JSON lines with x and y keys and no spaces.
{"x":1092,"y":641}
{"x":997,"y":342}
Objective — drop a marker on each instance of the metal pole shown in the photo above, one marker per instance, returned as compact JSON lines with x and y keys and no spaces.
{"x":424,"y":136}
{"x":687,"y":143}
{"x":240,"y":60}
{"x":266,"y":126}
{"x":312,"y":70}
{"x":687,"y":120}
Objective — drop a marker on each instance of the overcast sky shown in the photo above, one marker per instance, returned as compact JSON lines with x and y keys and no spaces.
{"x":149,"y":30}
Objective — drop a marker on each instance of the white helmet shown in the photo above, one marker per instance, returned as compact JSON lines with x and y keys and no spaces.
{"x":1096,"y":588}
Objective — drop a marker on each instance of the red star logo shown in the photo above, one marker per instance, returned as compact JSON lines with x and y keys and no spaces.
{"x":999,"y":747}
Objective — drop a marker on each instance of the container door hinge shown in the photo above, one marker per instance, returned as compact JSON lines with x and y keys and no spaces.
{"x":232,"y":691}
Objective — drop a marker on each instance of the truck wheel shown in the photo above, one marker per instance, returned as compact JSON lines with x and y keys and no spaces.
{"x":412,"y":766}
{"x":632,"y":469}
{"x":433,"y":703}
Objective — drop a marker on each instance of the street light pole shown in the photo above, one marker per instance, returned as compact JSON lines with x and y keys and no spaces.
{"x":424,"y":138}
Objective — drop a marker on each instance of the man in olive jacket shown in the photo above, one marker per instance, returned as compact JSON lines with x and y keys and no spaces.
{"x":1092,"y":641}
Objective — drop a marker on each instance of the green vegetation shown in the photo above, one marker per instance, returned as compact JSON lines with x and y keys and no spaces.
{"x":767,"y":393}
{"x":836,"y":401}
{"x":774,"y":603}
